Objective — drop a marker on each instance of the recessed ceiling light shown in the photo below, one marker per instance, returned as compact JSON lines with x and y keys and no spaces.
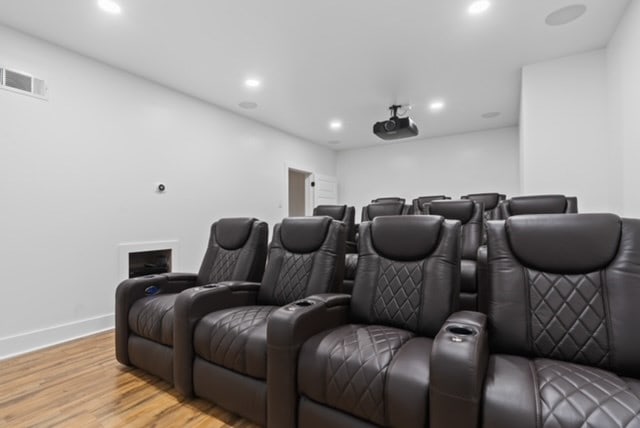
{"x":566,"y":15}
{"x":436,"y":105}
{"x":334,"y":142}
{"x":491,"y":115}
{"x":110,"y":6}
{"x":335,"y":125}
{"x":252,"y":83}
{"x":478,"y":7}
{"x":249,"y":105}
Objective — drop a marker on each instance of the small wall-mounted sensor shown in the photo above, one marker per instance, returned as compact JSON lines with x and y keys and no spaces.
{"x":161,"y":187}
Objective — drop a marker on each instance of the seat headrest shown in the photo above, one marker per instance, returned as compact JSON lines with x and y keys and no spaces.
{"x":232,"y":233}
{"x":564,"y":243}
{"x":425,"y":199}
{"x":304,"y":234}
{"x":406,"y":238}
{"x":541,"y":204}
{"x":381,"y":209}
{"x":334,"y":211}
{"x":490,"y":200}
{"x":452,"y":210}
{"x":388,"y":199}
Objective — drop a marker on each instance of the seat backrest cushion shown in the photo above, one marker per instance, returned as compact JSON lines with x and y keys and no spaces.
{"x":408,"y":273}
{"x":336,"y":212}
{"x":237,"y":250}
{"x":379,"y":209}
{"x":418,"y":202}
{"x":566,"y":287}
{"x":471,"y":216}
{"x":539,"y":204}
{"x":306,"y":257}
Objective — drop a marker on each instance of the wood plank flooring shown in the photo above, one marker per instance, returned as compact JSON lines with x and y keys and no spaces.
{"x":80,"y":384}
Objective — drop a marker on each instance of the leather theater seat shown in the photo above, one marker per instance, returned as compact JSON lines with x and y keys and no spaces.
{"x":490,"y":201}
{"x":417,"y":203}
{"x":221,"y":332}
{"x":563,"y":301}
{"x":538,"y":204}
{"x":145,"y":306}
{"x":344,"y":214}
{"x":372,"y":368}
{"x":470,"y":215}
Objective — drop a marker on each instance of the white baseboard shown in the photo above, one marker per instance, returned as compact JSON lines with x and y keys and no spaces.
{"x":12,"y":346}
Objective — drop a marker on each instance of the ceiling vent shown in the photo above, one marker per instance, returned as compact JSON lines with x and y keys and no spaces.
{"x":19,"y":82}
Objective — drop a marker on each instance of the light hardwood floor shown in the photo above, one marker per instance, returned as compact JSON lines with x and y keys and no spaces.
{"x":80,"y":384}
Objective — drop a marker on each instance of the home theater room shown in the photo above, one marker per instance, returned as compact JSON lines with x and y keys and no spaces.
{"x":286,"y":213}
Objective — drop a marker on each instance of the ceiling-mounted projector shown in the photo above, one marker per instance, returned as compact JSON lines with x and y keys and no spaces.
{"x":396,"y":127}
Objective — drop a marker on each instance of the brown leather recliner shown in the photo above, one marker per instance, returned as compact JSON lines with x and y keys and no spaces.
{"x":491,"y":202}
{"x":562,"y":298}
{"x":344,"y":214}
{"x":538,"y":204}
{"x":363,"y":360}
{"x":379,"y":209}
{"x":470,"y":215}
{"x":145,"y":306}
{"x":221,"y":331}
{"x":417,"y":203}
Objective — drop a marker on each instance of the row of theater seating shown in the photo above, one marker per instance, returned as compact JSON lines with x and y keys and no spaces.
{"x":557,"y":346}
{"x":472,"y":213}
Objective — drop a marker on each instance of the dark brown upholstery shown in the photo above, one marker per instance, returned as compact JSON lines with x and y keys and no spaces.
{"x":417,"y":203}
{"x":344,"y":214}
{"x":470,"y":215}
{"x":145,"y":306}
{"x":380,"y":209}
{"x":563,"y":298}
{"x":372,"y":369}
{"x":490,"y":201}
{"x":538,"y":204}
{"x":221,"y":350}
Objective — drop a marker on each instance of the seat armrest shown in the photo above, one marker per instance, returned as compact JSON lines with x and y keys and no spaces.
{"x":193,"y":304}
{"x":131,"y":290}
{"x":241,"y":285}
{"x":288,"y":328}
{"x":458,"y":367}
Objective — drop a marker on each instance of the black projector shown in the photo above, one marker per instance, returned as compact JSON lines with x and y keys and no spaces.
{"x":396,"y":127}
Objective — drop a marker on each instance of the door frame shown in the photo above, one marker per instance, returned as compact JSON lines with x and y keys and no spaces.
{"x":309,"y":192}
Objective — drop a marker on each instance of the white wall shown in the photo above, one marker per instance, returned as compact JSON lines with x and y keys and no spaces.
{"x":456,"y":165}
{"x":565,"y":146}
{"x":623,"y":77}
{"x":77,"y":177}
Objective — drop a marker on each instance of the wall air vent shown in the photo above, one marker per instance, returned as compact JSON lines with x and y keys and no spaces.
{"x":23,"y":83}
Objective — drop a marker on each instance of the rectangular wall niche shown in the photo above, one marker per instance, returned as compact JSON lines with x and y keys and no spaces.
{"x":147,"y":258}
{"x":143,"y":263}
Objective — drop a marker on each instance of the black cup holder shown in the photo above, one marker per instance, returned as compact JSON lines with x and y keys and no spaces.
{"x":210,"y":286}
{"x":460,"y":330}
{"x":303,"y":303}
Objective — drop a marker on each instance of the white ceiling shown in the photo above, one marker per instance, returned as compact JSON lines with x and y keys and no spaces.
{"x":326,"y":59}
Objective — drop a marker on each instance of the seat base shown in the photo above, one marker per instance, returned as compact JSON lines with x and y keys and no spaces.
{"x":237,"y":393}
{"x":151,"y":357}
{"x":314,"y":415}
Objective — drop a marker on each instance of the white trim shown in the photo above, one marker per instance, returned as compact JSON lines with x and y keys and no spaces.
{"x":309,"y":195}
{"x":133,"y":247}
{"x":22,"y":343}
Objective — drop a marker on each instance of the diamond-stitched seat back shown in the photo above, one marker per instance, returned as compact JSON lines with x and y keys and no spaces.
{"x":566,"y":287}
{"x":408,"y":273}
{"x":306,"y":257}
{"x":237,"y":250}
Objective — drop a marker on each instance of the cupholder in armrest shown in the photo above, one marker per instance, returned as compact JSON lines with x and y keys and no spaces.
{"x":303,"y":303}
{"x":210,"y":286}
{"x":461,"y":330}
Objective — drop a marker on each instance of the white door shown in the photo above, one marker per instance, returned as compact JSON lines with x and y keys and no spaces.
{"x":325,"y":190}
